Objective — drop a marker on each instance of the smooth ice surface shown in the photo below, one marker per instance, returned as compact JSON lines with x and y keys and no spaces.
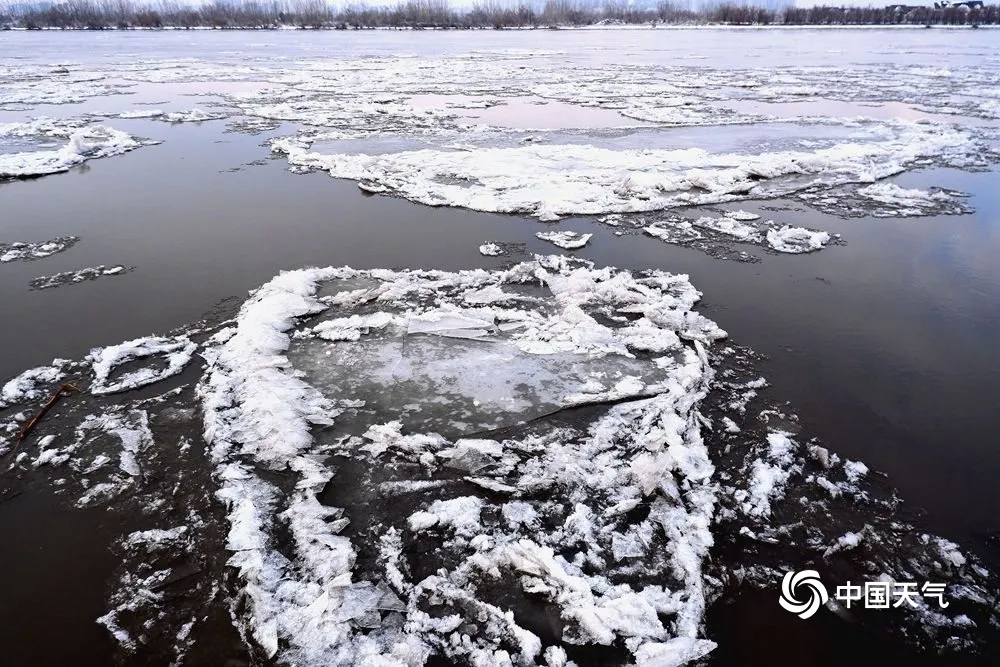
{"x":437,"y":380}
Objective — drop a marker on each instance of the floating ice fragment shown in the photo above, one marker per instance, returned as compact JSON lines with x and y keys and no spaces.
{"x":742,"y":216}
{"x":88,"y":143}
{"x":770,"y":474}
{"x":173,"y":353}
{"x":729,"y":225}
{"x":462,"y":514}
{"x":262,"y":402}
{"x":79,"y":276}
{"x":30,"y":385}
{"x":491,"y":250}
{"x":12,"y":252}
{"x":141,"y":113}
{"x":191,"y":116}
{"x":448,"y":324}
{"x":566,"y":240}
{"x":796,"y":239}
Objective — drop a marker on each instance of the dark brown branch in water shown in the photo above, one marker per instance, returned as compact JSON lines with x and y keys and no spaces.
{"x":62,"y":391}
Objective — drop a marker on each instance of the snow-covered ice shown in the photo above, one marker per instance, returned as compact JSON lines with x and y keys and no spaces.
{"x":602,"y":472}
{"x":83,"y":143}
{"x":187,"y":116}
{"x":887,"y":200}
{"x":796,"y":239}
{"x":566,"y":240}
{"x":80,"y":275}
{"x":32,"y":383}
{"x":491,"y":249}
{"x":586,"y":180}
{"x":20,"y":251}
{"x":171,"y":356}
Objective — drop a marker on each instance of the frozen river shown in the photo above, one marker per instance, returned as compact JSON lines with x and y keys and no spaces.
{"x":464,"y":449}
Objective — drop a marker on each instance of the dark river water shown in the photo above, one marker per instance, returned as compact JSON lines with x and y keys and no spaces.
{"x":886,"y":346}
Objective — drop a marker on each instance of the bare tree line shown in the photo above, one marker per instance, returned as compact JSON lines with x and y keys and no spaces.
{"x":499,"y":14}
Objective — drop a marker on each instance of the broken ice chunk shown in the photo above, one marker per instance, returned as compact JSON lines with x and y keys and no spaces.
{"x":796,"y":240}
{"x":442,"y":323}
{"x":491,"y":249}
{"x":462,"y":514}
{"x":566,"y":240}
{"x":176,"y":352}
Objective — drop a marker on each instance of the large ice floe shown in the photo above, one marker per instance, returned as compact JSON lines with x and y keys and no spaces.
{"x":502,"y":509}
{"x":547,"y":464}
{"x":575,"y":179}
{"x":82,"y":143}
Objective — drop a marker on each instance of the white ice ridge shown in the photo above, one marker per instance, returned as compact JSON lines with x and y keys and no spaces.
{"x":166,"y":357}
{"x":309,"y":604}
{"x":82,"y":144}
{"x":587,"y":180}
